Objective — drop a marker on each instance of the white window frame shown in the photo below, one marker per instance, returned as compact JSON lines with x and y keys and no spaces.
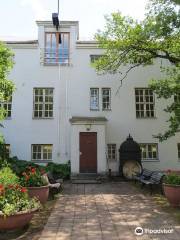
{"x":94,"y":99}
{"x":7,"y":106}
{"x":41,"y":151}
{"x":111,"y":155}
{"x":107,"y":103}
{"x":144,"y":108}
{"x":43,"y":106}
{"x":147,"y":152}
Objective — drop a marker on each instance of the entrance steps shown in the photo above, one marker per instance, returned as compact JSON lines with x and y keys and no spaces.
{"x":86,"y":178}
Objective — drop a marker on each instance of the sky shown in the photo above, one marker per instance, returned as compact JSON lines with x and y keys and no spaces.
{"x":17,"y":17}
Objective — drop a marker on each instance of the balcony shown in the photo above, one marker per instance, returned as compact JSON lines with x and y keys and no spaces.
{"x":55,"y":56}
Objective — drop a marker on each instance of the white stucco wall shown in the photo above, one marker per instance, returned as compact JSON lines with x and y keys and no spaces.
{"x":72,"y":85}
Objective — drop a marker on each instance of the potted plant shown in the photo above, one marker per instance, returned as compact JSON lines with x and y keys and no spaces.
{"x":36,"y":183}
{"x":171,"y":187}
{"x":16,"y":208}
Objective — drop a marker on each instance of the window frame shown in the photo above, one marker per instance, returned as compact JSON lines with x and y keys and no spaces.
{"x":57,"y":58}
{"x":102,"y":95}
{"x":7,"y":104}
{"x":43,"y":103}
{"x":144,"y":103}
{"x":111,"y":153}
{"x":41,"y":153}
{"x":98,"y":108}
{"x":147,"y":152}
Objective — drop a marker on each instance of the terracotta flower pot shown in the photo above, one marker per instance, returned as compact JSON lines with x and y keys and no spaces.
{"x":18,"y":220}
{"x":172,"y":192}
{"x":40,"y":193}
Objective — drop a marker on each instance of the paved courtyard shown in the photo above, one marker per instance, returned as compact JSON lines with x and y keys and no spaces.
{"x":108,"y":211}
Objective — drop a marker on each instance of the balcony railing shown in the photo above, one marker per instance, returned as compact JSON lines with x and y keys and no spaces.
{"x":54,"y":56}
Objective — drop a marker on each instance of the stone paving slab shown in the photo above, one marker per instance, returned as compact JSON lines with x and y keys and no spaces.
{"x":109,"y":211}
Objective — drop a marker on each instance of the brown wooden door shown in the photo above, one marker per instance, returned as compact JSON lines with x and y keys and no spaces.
{"x":88,"y":152}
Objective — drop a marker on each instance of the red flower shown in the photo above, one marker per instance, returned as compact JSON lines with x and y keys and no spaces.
{"x":23,"y":190}
{"x":1,"y":187}
{"x":33,"y":170}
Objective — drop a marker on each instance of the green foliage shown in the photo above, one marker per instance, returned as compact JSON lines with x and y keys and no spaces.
{"x":8,"y":177}
{"x":33,"y":177}
{"x":172,"y":178}
{"x":130,"y":43}
{"x":14,"y":199}
{"x":59,"y":170}
{"x":6,"y":86}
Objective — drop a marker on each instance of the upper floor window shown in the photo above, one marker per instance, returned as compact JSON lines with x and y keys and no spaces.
{"x":95,"y":57}
{"x":145,"y":103}
{"x":94,"y":99}
{"x":41,"y":152}
{"x":56,"y":48}
{"x":149,"y":151}
{"x":43,"y":103}
{"x":7,"y":106}
{"x":111,"y":151}
{"x":178,"y":145}
{"x":106,"y":99}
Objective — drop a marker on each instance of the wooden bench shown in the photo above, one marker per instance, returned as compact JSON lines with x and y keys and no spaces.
{"x":155,"y":179}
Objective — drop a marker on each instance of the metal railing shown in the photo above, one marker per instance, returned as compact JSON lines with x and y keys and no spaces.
{"x":54,"y":56}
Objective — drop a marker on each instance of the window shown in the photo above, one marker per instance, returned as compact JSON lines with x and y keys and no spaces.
{"x":7,"y":150}
{"x":57,"y":48}
{"x":178,"y":145}
{"x":7,"y":106}
{"x":111,"y":151}
{"x":94,"y":99}
{"x":149,"y":151}
{"x":43,"y":102}
{"x":106,"y":99}
{"x":95,"y":57}
{"x":144,"y":103}
{"x":41,"y":152}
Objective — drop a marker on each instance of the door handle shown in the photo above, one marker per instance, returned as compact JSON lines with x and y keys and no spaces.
{"x":80,"y":153}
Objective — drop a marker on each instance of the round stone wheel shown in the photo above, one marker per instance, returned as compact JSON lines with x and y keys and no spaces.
{"x":131,"y":168}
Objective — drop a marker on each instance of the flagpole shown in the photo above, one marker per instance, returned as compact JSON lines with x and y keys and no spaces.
{"x":58,"y":7}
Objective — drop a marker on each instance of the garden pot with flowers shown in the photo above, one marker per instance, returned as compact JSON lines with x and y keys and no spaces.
{"x":16,"y":208}
{"x":171,"y":188}
{"x":36,"y":183}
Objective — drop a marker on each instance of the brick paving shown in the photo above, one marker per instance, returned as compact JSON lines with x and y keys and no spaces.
{"x":108,"y":211}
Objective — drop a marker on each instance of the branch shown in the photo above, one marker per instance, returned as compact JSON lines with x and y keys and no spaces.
{"x":125,"y":75}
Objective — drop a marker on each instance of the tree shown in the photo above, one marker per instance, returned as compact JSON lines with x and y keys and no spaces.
{"x":132,"y":43}
{"x":6,"y":86}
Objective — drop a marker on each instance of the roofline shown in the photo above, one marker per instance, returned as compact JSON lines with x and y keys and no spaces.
{"x":49,"y":23}
{"x":22,"y":42}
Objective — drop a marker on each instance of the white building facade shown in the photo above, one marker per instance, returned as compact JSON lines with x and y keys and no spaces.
{"x":63,"y":110}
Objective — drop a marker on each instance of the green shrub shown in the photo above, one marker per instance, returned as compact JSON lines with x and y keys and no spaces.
{"x":8,"y":177}
{"x":172,"y":178}
{"x":59,"y":170}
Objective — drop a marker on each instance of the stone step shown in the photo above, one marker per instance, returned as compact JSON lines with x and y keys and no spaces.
{"x":85,"y":181}
{"x":85,"y":176}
